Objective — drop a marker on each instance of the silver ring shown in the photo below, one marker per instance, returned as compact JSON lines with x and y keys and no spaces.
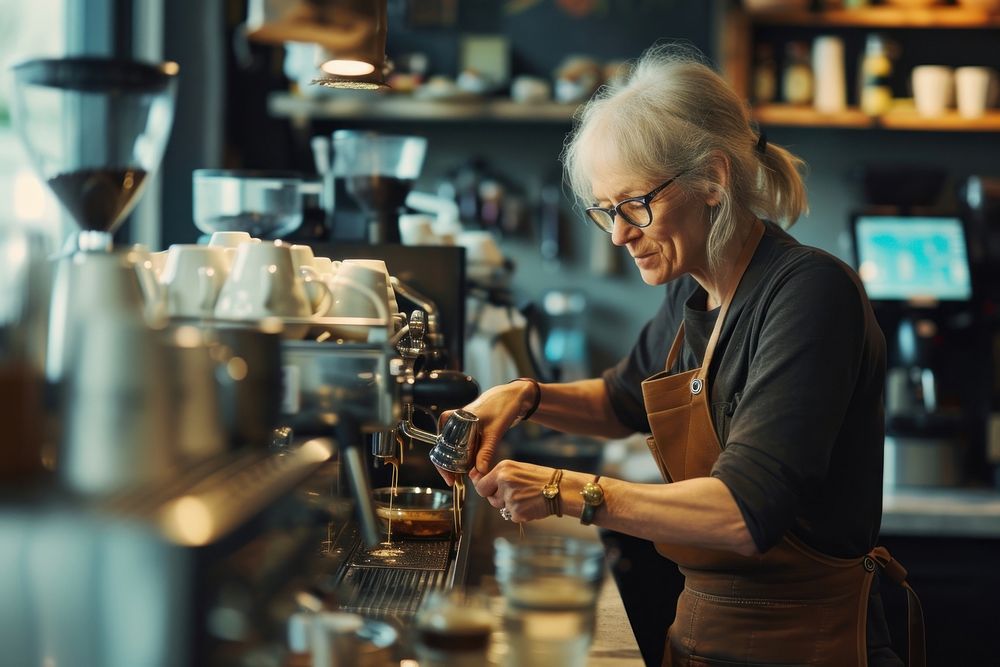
{"x":505,"y":513}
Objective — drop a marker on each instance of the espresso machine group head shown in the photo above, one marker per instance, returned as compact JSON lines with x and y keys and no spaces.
{"x":434,"y":391}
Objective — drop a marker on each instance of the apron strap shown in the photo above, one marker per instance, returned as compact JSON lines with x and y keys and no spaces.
{"x":916,"y":647}
{"x":746,"y":254}
{"x":675,"y":348}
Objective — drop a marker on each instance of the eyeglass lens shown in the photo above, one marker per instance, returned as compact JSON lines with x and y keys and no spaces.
{"x":634,"y":212}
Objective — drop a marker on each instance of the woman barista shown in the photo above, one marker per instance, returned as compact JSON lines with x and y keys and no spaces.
{"x":760,"y":378}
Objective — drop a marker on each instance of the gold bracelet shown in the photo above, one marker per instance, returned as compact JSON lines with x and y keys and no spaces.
{"x":551,"y":493}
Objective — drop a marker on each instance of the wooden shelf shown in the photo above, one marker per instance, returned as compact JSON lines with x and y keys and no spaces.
{"x":903,"y":118}
{"x":909,"y":119}
{"x":882,"y":17}
{"x":375,"y":108}
{"x":386,"y":108}
{"x":800,"y":116}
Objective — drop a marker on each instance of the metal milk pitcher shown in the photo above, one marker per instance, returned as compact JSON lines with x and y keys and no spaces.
{"x":453,"y":448}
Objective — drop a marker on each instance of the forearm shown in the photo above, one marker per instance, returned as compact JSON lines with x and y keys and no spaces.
{"x":580,"y":407}
{"x":697,"y":512}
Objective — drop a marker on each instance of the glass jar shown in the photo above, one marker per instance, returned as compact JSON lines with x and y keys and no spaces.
{"x":797,"y":79}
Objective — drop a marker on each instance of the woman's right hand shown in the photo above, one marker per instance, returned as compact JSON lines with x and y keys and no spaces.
{"x":499,"y":409}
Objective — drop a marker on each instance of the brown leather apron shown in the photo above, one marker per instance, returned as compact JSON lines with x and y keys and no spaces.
{"x":789,"y":606}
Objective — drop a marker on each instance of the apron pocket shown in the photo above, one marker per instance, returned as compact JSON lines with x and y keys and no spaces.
{"x":752,"y":631}
{"x":667,"y":393}
{"x":698,"y":661}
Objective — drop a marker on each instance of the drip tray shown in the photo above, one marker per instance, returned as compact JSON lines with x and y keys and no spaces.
{"x":390,"y":580}
{"x":407,"y":555}
{"x":389,"y":593}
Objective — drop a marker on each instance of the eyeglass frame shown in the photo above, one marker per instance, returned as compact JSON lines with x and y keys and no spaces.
{"x":645,"y":200}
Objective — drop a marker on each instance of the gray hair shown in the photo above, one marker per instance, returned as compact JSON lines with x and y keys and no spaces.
{"x":671,"y":115}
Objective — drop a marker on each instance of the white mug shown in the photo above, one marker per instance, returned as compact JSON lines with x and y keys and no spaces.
{"x":193,"y":277}
{"x":973,"y":86}
{"x":264,"y":283}
{"x":358,"y":291}
{"x":305,"y":263}
{"x":378,"y":265}
{"x":230,"y":239}
{"x":933,"y":88}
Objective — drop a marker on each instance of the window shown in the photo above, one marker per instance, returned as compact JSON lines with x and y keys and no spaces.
{"x":27,"y":30}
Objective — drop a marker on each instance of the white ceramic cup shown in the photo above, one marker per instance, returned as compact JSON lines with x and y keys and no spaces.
{"x":305,"y":263}
{"x":149,"y":280}
{"x":230,"y":239}
{"x":324,"y":265}
{"x":378,"y":265}
{"x":417,"y":229}
{"x":159,"y":262}
{"x":358,"y":291}
{"x":933,"y":89}
{"x":193,"y":277}
{"x":973,"y":86}
{"x":264,"y":283}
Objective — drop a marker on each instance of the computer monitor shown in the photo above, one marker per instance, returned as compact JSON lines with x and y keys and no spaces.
{"x":912,"y":258}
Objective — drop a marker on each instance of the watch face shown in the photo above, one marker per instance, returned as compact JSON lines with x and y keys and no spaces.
{"x":550,"y":490}
{"x":592,"y":494}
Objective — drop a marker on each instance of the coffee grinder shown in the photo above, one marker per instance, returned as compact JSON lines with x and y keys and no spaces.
{"x":378,"y":171}
{"x":96,"y":130}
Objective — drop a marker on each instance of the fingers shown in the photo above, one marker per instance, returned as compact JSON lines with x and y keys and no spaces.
{"x":486,"y":485}
{"x":487,"y":449}
{"x":448,"y":477}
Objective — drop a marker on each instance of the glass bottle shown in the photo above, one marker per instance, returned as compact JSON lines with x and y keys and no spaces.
{"x":765,"y":75}
{"x":797,"y":79}
{"x":876,"y":67}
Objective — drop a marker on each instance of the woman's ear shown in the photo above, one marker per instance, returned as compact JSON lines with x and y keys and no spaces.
{"x":719,"y":173}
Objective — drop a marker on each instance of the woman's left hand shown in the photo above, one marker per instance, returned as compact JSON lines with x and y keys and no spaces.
{"x":516,"y":486}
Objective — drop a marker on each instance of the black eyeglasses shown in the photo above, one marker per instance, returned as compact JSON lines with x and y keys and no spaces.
{"x":634,"y":210}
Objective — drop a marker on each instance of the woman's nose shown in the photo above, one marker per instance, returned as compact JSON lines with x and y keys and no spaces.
{"x":622,"y":232}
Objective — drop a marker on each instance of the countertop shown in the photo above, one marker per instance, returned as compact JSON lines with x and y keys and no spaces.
{"x":614,"y":645}
{"x":941,"y":512}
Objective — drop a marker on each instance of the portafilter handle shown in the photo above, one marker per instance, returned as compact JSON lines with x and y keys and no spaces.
{"x":453,"y":448}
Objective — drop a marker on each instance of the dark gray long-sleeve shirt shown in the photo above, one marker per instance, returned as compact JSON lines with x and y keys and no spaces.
{"x":796,"y":390}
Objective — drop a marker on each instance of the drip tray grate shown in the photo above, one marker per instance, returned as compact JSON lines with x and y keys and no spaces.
{"x":410,"y":555}
{"x":381,"y":593}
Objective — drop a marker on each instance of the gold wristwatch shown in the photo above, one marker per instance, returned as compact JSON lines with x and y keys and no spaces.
{"x":593,"y":497}
{"x":551,"y":493}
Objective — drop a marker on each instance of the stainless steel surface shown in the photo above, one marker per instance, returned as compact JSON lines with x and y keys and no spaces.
{"x":435,"y":349}
{"x":406,"y":555}
{"x":116,"y":413}
{"x":115,"y":582}
{"x":390,"y":592}
{"x":325,"y":381}
{"x":87,"y":284}
{"x":358,"y":474}
{"x":208,"y":501}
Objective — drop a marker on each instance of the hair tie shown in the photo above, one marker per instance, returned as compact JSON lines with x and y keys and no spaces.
{"x":762,"y":142}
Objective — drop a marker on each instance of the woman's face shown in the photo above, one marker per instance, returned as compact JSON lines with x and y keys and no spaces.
{"x":675,"y":242}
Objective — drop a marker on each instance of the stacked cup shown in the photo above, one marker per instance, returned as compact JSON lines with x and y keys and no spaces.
{"x":936,"y":87}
